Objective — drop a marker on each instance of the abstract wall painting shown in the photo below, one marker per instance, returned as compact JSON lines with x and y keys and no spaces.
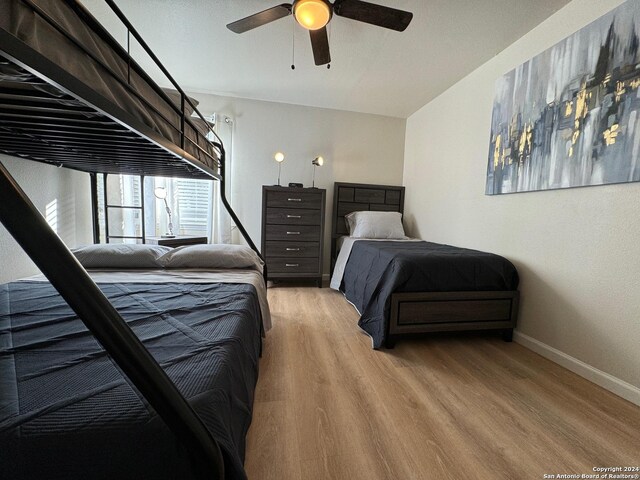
{"x":570,"y":116}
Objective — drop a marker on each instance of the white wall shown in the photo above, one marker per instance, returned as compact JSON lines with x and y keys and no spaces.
{"x":577,"y":250}
{"x":65,"y":192}
{"x":357,"y":148}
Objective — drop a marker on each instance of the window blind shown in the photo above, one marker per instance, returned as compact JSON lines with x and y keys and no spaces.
{"x":194,"y":206}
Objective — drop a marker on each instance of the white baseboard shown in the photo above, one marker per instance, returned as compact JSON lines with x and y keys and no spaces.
{"x":615,"y":385}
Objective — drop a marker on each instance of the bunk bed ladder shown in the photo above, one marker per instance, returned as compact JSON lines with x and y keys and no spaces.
{"x":29,"y":228}
{"x":93,"y":177}
{"x":139,"y":208}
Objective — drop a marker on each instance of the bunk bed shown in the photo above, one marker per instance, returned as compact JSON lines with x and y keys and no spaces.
{"x":72,"y":96}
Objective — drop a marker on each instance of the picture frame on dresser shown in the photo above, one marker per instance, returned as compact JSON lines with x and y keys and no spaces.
{"x":293,"y":232}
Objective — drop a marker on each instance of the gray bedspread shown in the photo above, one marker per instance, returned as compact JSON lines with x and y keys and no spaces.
{"x":67,"y":412}
{"x":375,"y":270}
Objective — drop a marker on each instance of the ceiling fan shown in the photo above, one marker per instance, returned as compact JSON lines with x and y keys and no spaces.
{"x":315,"y":14}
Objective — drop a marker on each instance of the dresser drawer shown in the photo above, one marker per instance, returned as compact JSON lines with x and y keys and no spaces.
{"x":292,"y":249}
{"x":293,"y":265}
{"x":292,"y":216}
{"x":311,"y":200}
{"x":293,"y":233}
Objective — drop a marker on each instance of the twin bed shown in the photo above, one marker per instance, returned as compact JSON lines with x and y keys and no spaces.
{"x":404,"y":287}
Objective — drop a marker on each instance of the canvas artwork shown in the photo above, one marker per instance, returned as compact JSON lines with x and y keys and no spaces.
{"x":569,"y":116}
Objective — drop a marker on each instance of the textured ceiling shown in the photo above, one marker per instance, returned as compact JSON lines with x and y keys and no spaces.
{"x":373,"y":70}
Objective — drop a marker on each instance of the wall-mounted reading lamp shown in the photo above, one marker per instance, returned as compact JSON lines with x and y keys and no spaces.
{"x":316,"y":162}
{"x":161,"y":193}
{"x":279,"y":157}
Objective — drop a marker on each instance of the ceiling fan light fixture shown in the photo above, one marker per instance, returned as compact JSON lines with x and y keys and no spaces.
{"x":312,"y":14}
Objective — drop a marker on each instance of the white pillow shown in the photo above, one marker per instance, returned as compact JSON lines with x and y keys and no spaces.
{"x":349,"y":220}
{"x":212,"y":256}
{"x":120,"y":255}
{"x":376,"y":225}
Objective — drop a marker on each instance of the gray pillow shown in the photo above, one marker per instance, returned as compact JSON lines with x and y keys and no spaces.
{"x":176,"y":98}
{"x":120,"y":255}
{"x":212,"y":256}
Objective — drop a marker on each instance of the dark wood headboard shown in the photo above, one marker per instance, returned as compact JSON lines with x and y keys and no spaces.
{"x":355,"y":197}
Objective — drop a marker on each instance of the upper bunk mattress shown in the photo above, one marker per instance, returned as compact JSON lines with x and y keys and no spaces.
{"x":376,"y":269}
{"x":98,"y":68}
{"x":67,"y":412}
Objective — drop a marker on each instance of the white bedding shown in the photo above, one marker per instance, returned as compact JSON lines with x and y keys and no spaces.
{"x":345,"y":244}
{"x":194,"y":275}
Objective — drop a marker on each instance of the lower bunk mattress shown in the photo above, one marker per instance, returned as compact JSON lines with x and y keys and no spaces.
{"x":66,"y":411}
{"x":376,"y":269}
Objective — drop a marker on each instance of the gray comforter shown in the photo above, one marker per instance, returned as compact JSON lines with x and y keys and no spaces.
{"x":67,"y":412}
{"x":375,"y":270}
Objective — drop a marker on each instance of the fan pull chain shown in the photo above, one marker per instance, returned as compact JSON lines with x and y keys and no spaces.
{"x":329,"y":41}
{"x":293,"y":45}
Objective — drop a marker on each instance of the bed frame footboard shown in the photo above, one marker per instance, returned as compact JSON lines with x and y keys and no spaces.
{"x":425,"y":312}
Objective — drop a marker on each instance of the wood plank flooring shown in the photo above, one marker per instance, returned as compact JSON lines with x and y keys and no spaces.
{"x":327,"y":406}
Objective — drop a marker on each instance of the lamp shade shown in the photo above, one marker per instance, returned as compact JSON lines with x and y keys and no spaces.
{"x":316,"y":162}
{"x":279,"y":157}
{"x":312,"y":14}
{"x":160,"y":192}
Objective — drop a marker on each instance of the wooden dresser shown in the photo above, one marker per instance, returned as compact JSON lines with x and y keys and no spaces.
{"x":293,"y":232}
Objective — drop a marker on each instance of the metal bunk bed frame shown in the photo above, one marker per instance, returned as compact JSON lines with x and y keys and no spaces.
{"x":117,"y":143}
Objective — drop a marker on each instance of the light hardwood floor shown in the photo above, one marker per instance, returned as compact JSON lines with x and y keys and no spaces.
{"x":327,"y":406}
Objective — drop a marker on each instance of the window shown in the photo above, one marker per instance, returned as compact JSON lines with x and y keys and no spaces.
{"x":194,"y":206}
{"x":132,"y":210}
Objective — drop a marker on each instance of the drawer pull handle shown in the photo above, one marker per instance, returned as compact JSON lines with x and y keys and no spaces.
{"x":291,"y":265}
{"x":294,"y":216}
{"x":293,"y":249}
{"x":293,"y":233}
{"x":294,"y":199}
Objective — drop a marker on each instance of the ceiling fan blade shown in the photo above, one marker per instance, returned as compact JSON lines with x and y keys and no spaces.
{"x":320,"y":46}
{"x":379,"y":15}
{"x":262,"y":18}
